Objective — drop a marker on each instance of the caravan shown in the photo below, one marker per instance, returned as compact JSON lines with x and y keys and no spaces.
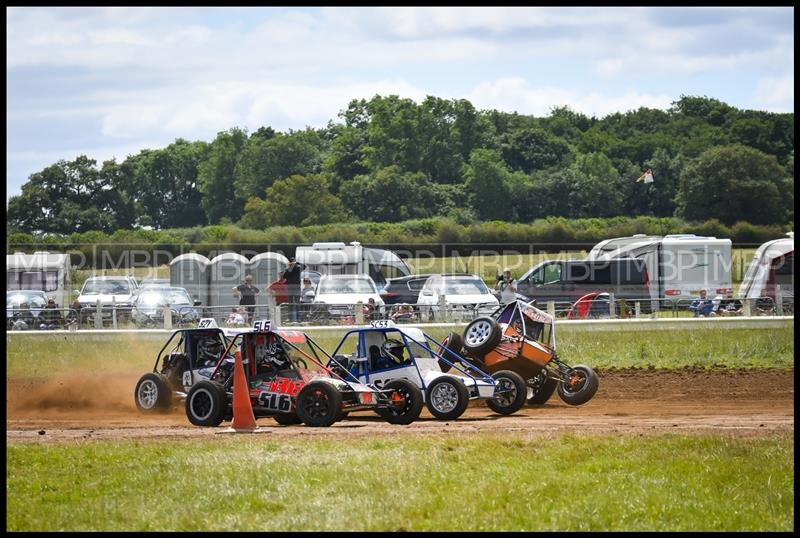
{"x":678,"y":265}
{"x":772,"y":268}
{"x":41,"y":271}
{"x":339,"y":259}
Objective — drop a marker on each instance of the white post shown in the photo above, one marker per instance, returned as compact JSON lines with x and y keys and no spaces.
{"x":167,"y":317}
{"x":277,"y":321}
{"x":113,"y":311}
{"x":778,"y":300}
{"x":612,"y":307}
{"x":360,"y":313}
{"x":746,"y":308}
{"x":638,"y":308}
{"x":98,"y":316}
{"x":271,"y":309}
{"x":442,"y":307}
{"x":551,"y":308}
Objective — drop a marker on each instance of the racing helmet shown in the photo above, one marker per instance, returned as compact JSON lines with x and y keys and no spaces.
{"x":209,"y":349}
{"x":393,"y":349}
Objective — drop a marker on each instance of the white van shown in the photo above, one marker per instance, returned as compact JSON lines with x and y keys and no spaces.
{"x":772,"y":265}
{"x":336,"y":258}
{"x":679,"y":265}
{"x":43,"y":271}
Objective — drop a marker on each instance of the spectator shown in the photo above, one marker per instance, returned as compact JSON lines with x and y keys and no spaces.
{"x":247,"y":295}
{"x":403,"y":312}
{"x":370,"y":310}
{"x":307,"y":295}
{"x":74,"y":316}
{"x":292,"y":277}
{"x":50,"y":317}
{"x":235,"y":318}
{"x":507,"y":287}
{"x":701,"y":307}
{"x":244,"y":316}
{"x":23,"y":318}
{"x":726,"y":306}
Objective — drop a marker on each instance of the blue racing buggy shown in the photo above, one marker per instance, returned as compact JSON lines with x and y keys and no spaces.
{"x":422,"y":371}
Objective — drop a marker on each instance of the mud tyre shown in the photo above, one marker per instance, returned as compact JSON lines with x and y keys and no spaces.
{"x":319,"y":404}
{"x":513,"y":395}
{"x":153,"y":393}
{"x":408,"y":403}
{"x":447,"y":398}
{"x":581,"y":386}
{"x":481,"y":336}
{"x":455,"y":343}
{"x":545,"y":390}
{"x":287,"y":419}
{"x":206,"y":404}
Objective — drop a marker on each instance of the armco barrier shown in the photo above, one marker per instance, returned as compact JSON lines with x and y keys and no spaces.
{"x":756,"y":322}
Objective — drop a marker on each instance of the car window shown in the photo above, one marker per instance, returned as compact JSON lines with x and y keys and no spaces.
{"x":341,"y":285}
{"x":452,"y":286}
{"x":107,"y":287}
{"x":551,"y":273}
{"x":13,"y":300}
{"x":416,"y":284}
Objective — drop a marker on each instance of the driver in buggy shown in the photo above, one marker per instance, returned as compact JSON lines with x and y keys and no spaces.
{"x":391,"y":354}
{"x":270,"y":356}
{"x":209,"y":349}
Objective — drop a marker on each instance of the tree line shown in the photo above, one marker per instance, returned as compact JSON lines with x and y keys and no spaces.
{"x":390,"y":159}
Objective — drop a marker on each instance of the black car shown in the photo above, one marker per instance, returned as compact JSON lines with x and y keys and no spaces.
{"x":405,"y":289}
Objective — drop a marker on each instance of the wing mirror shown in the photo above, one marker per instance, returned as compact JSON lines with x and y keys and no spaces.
{"x":197,"y":303}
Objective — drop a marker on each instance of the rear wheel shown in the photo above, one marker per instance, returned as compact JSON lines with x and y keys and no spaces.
{"x":406,"y":402}
{"x":206,"y":404}
{"x":319,"y":404}
{"x":447,"y":398}
{"x":454,"y":343}
{"x":287,"y":419}
{"x":580,"y":385}
{"x":510,"y":393}
{"x":545,"y":387}
{"x":481,"y":336}
{"x":153,"y":393}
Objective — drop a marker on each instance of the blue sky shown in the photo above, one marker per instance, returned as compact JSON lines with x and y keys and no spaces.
{"x":109,"y":82}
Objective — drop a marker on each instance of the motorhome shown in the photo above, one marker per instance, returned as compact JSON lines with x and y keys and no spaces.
{"x":336,"y":258}
{"x":678,"y":265}
{"x":772,"y":266}
{"x":44,"y":271}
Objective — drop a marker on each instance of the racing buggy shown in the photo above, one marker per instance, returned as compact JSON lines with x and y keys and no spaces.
{"x":521,"y":338}
{"x":414,"y":366}
{"x":287,"y":380}
{"x":188,"y":356}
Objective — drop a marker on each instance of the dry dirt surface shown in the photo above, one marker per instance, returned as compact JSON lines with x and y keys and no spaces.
{"x":628,"y":402}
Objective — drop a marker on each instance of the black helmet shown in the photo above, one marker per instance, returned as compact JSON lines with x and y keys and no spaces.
{"x":209,"y":349}
{"x":393,"y":348}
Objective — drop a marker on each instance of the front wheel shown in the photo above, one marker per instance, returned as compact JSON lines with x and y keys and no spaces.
{"x":545,"y":388}
{"x":510,"y":393}
{"x":406,"y":401}
{"x":481,"y":336}
{"x":287,"y":419}
{"x":580,"y":385}
{"x":319,"y":404}
{"x":206,"y":404}
{"x":452,"y":342}
{"x":153,"y":393}
{"x":447,"y":398}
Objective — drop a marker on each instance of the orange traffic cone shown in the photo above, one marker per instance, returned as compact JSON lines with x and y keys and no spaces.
{"x":243,"y":418}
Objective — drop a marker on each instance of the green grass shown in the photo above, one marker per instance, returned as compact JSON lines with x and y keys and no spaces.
{"x":482,"y":482}
{"x":47,"y":356}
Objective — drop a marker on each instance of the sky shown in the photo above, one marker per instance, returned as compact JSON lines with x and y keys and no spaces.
{"x":109,"y":82}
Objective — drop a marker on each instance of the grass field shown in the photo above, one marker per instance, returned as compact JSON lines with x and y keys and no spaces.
{"x":482,"y":482}
{"x":43,"y":356}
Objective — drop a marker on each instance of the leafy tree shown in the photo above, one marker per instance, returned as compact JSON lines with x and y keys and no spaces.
{"x":215,"y":176}
{"x":263,"y":160}
{"x":487,"y":181}
{"x":734,"y":183}
{"x":347,"y":156}
{"x":294,"y":201}
{"x":165,"y":182}
{"x":596,"y":188}
{"x":530,"y":149}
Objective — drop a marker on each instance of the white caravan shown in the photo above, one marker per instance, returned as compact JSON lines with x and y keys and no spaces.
{"x":336,"y":258}
{"x":772,"y":265}
{"x":679,"y":265}
{"x":44,"y":271}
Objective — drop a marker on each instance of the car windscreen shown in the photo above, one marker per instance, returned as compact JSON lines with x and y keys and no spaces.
{"x":13,"y":300}
{"x":452,"y":286}
{"x":153,"y":298}
{"x":342,"y":285}
{"x":106,"y":287}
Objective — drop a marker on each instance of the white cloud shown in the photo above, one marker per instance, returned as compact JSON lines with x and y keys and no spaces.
{"x":776,"y":93}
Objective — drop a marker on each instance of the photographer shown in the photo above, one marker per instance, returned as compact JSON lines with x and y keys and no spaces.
{"x":507,"y":287}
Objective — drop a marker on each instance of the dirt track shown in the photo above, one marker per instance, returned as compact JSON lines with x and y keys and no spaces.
{"x":631,"y":402}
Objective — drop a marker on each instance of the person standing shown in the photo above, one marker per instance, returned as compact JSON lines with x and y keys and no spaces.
{"x":292,"y":277}
{"x":507,"y":287}
{"x":247,"y":295}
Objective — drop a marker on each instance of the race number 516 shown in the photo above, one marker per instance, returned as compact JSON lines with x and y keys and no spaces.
{"x":262,"y":325}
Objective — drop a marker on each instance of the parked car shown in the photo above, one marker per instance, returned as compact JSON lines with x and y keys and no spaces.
{"x":154,"y":283}
{"x":109,"y":290}
{"x":35,"y":299}
{"x":568,"y":281}
{"x":389,"y":356}
{"x":467,"y":294}
{"x":340,"y":293}
{"x":406,"y":289}
{"x":148,"y":307}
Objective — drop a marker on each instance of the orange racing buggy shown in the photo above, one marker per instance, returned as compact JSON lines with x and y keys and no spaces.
{"x":521,"y":338}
